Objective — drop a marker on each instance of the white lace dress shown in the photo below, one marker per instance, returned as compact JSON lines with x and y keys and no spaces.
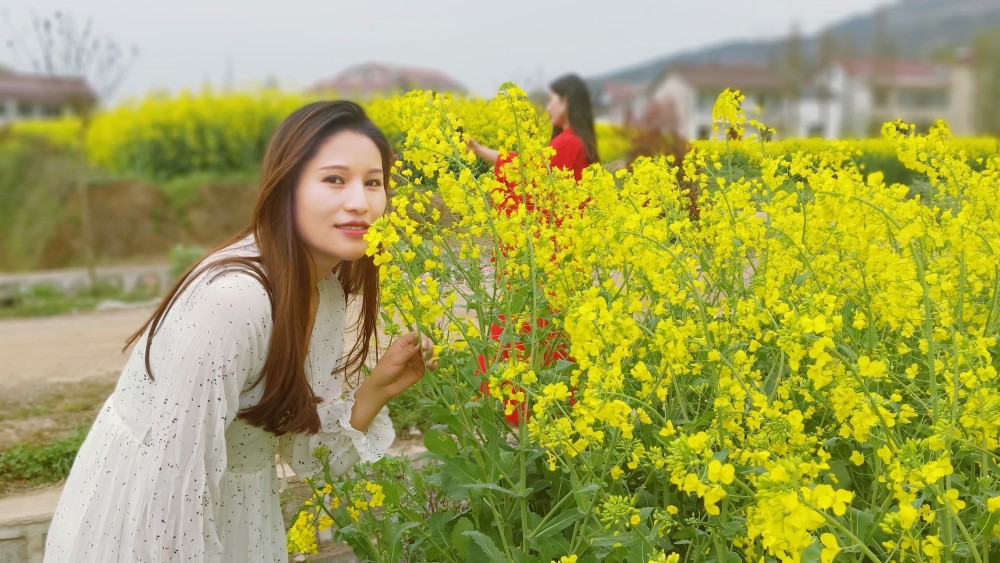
{"x":168,"y":471}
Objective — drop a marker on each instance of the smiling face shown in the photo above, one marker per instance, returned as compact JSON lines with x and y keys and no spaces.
{"x":557,"y":108}
{"x":340,"y":192}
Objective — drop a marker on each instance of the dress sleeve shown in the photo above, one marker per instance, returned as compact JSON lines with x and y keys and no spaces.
{"x":212,"y":341}
{"x":346,"y":445}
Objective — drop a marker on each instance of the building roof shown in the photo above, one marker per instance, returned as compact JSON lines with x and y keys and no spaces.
{"x":42,"y":88}
{"x":615,"y":93}
{"x":720,"y":76}
{"x":381,"y":78}
{"x":913,"y":73}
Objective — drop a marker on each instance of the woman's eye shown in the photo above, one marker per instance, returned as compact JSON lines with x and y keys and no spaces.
{"x":333,"y":180}
{"x":374,"y":183}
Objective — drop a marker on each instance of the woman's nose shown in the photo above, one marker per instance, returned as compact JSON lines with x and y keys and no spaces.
{"x":357,"y":199}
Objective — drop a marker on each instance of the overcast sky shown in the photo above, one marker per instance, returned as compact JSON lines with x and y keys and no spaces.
{"x":190,"y":43}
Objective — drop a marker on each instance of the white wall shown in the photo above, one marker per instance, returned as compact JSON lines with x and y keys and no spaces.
{"x":678,"y":92}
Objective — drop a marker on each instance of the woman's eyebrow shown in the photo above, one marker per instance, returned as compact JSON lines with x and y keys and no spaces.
{"x":343,"y":167}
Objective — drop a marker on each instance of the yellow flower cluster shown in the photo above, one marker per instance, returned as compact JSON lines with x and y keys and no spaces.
{"x":60,"y":132}
{"x":170,"y":136}
{"x":318,"y":513}
{"x":818,"y":350}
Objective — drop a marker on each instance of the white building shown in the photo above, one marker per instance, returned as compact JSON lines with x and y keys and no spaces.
{"x":847,"y":98}
{"x":862,"y":94}
{"x":30,"y":96}
{"x":620,"y":103}
{"x":689,"y":92}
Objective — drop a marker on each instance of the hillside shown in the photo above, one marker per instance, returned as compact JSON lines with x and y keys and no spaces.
{"x":918,"y":28}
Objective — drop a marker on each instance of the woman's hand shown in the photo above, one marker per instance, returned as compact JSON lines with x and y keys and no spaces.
{"x":485,"y":153}
{"x":471,"y":145}
{"x":402,"y":365}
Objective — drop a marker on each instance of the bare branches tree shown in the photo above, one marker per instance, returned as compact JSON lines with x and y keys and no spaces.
{"x":58,"y":45}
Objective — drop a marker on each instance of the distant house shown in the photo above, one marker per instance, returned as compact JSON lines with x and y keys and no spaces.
{"x":380,"y":79}
{"x":619,"y":103}
{"x":689,"y":92}
{"x":863,"y":93}
{"x":27,"y":96}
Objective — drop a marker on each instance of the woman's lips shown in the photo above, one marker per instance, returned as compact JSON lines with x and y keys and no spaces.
{"x":353,"y":230}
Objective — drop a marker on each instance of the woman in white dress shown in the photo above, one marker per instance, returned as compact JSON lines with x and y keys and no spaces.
{"x":243,"y":359}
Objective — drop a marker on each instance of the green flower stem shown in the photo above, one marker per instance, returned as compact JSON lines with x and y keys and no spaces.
{"x":833,"y":523}
{"x":947,"y":510}
{"x":548,"y":515}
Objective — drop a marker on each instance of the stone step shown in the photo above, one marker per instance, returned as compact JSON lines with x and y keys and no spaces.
{"x":24,"y":520}
{"x":152,"y":277}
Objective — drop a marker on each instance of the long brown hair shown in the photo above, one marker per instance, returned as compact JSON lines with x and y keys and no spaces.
{"x":580,"y":113}
{"x":283,"y":267}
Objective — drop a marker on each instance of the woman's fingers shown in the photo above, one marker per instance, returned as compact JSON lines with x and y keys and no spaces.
{"x":416,"y":351}
{"x":424,"y":350}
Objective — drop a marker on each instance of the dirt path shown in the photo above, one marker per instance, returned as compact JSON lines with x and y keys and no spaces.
{"x":67,"y":348}
{"x":55,"y":372}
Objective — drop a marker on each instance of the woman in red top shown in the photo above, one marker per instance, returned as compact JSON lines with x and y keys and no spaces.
{"x":575,"y":147}
{"x":573,"y":135}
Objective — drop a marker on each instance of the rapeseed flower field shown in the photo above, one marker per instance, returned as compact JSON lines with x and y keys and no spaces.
{"x":807,"y":372}
{"x":803,"y":370}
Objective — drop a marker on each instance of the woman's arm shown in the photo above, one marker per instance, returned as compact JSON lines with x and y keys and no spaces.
{"x":401,"y":366}
{"x":485,"y":153}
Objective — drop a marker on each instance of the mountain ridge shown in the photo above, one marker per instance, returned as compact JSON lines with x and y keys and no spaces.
{"x":910,"y":28}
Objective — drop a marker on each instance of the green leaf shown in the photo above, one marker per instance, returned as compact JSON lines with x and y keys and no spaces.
{"x":812,"y":553}
{"x":439,"y":526}
{"x":640,"y":553}
{"x":962,"y":550}
{"x":558,"y":524}
{"x":862,"y":524}
{"x":551,"y":549}
{"x":499,"y":489}
{"x":584,"y":494}
{"x":393,"y":531}
{"x":564,"y":365}
{"x":842,"y":471}
{"x":451,"y":487}
{"x":458,"y":537}
{"x":437,"y":442}
{"x":988,"y":520}
{"x":486,"y":544}
{"x":464,"y":471}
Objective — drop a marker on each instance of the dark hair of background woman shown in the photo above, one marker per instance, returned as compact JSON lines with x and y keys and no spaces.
{"x":581,"y":114}
{"x":283,"y":267}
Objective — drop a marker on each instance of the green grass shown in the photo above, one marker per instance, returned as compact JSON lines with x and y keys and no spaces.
{"x":40,"y":463}
{"x":28,"y":412}
{"x":185,"y":191}
{"x":36,"y":188}
{"x":47,"y":300}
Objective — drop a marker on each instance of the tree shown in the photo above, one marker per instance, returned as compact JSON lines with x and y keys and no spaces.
{"x":827,"y":50}
{"x":986,"y":68}
{"x":795,"y":72}
{"x":794,"y":63}
{"x":58,"y":46}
